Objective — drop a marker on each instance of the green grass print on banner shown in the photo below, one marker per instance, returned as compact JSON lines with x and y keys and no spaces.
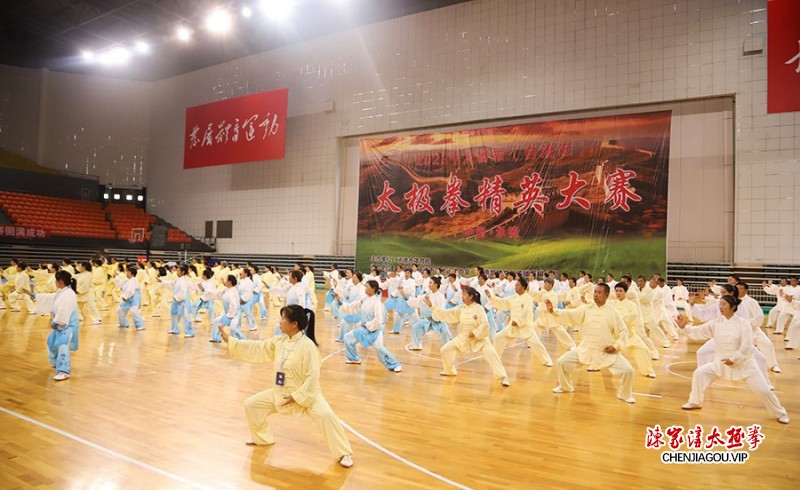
{"x":637,"y":255}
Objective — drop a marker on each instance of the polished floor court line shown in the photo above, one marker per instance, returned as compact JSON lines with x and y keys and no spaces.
{"x":104,"y":450}
{"x":177,"y":405}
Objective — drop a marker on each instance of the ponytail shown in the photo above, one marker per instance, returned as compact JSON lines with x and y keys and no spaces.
{"x":73,"y":284}
{"x":309,"y":330}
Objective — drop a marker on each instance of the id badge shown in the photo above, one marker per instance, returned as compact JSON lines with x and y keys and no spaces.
{"x":280,"y":378}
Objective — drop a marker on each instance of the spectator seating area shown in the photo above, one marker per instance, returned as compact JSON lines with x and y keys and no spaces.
{"x":61,"y":217}
{"x":81,"y":219}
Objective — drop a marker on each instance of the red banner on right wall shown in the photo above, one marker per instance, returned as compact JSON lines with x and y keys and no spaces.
{"x":783,"y":56}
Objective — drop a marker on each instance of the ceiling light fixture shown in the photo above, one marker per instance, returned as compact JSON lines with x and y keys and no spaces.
{"x":219,"y":21}
{"x":183,"y":33}
{"x":277,"y":9}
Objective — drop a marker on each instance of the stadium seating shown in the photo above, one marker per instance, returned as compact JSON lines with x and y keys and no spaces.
{"x":81,"y":219}
{"x":61,"y":217}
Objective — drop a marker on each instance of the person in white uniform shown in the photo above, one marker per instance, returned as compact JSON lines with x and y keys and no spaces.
{"x":733,"y":358}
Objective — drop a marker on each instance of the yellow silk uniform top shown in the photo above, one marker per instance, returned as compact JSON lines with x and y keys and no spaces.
{"x":301,"y":365}
{"x":546,"y":319}
{"x":98,"y":276}
{"x":629,"y":312}
{"x":471,"y":319}
{"x":521,"y":308}
{"x":601,"y":326}
{"x":84,"y":285}
{"x":645,"y":297}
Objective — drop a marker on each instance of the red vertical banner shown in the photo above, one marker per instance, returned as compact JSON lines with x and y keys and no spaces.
{"x":243,"y":129}
{"x":783,"y":56}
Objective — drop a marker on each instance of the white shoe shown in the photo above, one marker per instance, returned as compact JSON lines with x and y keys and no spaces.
{"x":654,"y":358}
{"x":398,"y":369}
{"x":63,"y":376}
{"x":32,"y":312}
{"x":651,"y":375}
{"x":346,"y":461}
{"x":97,"y":322}
{"x":445,"y":373}
{"x":676,"y":338}
{"x":548,"y":364}
{"x":784,"y":419}
{"x":776,"y":369}
{"x":188,"y":336}
{"x":691,"y":406}
{"x":630,"y":399}
{"x":665,"y":346}
{"x":558,"y":389}
{"x":156,"y":314}
{"x":15,"y":310}
{"x":2,"y":307}
{"x":352,"y":362}
{"x":253,"y":329}
{"x":505,"y":382}
{"x":197,"y":320}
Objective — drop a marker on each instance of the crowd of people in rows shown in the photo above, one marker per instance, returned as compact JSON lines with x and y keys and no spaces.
{"x":614,"y":322}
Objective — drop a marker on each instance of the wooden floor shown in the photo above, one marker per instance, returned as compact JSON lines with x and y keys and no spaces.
{"x":149,"y":410}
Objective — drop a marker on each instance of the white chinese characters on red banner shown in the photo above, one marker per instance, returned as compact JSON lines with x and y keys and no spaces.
{"x":23,"y":232}
{"x":243,"y":129}
{"x":783,"y":56}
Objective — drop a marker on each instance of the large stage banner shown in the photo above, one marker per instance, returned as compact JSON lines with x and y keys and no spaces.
{"x":566,"y":195}
{"x":244,"y":129}
{"x":783,"y":56}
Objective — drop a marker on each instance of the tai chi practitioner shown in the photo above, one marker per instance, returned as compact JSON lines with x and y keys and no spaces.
{"x":181,"y":305}
{"x":406,"y":290}
{"x":86,"y":307}
{"x":65,"y":325}
{"x":604,"y":336}
{"x":297,"y":362}
{"x":680,"y":296}
{"x":522,"y":325}
{"x":246,"y":296}
{"x":756,"y":316}
{"x":208,"y":293}
{"x":424,"y":322}
{"x":355,"y":292}
{"x":130,"y":300}
{"x":733,"y":358}
{"x":21,"y":285}
{"x":99,"y":280}
{"x":546,"y":320}
{"x":369,"y":332}
{"x":780,"y":305}
{"x":634,"y":345}
{"x":296,"y":294}
{"x":230,"y":311}
{"x":473,"y":334}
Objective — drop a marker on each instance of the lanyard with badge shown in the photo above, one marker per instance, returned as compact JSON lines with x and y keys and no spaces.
{"x":280,"y":376}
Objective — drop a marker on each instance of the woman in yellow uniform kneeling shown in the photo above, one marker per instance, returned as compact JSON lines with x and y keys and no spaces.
{"x":297,"y":361}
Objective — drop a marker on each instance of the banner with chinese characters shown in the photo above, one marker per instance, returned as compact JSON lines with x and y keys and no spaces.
{"x":23,"y":232}
{"x":567,"y":195}
{"x":244,"y":129}
{"x":783,"y":56}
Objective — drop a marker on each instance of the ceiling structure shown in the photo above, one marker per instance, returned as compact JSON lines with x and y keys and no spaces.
{"x":54,"y":33}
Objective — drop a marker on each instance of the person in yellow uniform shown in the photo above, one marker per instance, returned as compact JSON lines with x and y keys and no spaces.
{"x":473,"y":334}
{"x":604,"y":335}
{"x":22,"y":290}
{"x":86,"y":307}
{"x":297,"y":361}
{"x":99,"y":279}
{"x":646,"y":298}
{"x":546,"y":320}
{"x":8,"y":274}
{"x":634,"y":345}
{"x":522,"y":324}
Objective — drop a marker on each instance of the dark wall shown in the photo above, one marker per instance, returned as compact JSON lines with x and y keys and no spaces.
{"x":48,"y":184}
